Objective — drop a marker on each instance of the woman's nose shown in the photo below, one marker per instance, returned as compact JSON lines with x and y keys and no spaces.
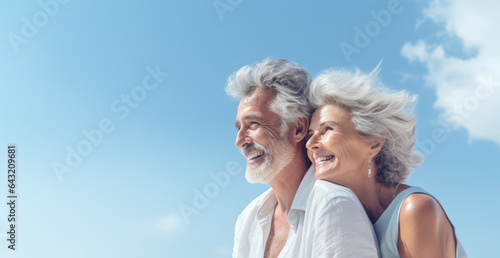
{"x":312,"y":143}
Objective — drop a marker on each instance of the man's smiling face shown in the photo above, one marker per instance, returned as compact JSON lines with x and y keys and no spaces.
{"x":259,"y":137}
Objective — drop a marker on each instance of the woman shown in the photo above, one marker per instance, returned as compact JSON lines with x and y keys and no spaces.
{"x":361,"y":137}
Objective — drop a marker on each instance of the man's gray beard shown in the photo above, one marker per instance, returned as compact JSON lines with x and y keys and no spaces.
{"x":276,"y":159}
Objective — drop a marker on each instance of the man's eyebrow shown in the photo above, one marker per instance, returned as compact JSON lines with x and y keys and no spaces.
{"x":253,"y":117}
{"x":249,"y":117}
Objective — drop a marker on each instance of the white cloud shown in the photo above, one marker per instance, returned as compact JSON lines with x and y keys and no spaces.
{"x":222,"y":251}
{"x":171,"y":222}
{"x":406,"y":76}
{"x":467,"y":89}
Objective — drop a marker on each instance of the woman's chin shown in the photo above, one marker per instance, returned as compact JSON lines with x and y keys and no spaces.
{"x":325,"y":170}
{"x":323,"y":175}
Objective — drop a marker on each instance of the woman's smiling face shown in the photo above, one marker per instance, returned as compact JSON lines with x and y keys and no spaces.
{"x":336,"y":149}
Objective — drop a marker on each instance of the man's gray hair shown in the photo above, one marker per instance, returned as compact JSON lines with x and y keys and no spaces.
{"x":376,"y":112}
{"x":289,"y":80}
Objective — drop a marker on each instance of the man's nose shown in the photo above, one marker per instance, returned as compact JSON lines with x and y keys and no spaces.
{"x":242,"y":139}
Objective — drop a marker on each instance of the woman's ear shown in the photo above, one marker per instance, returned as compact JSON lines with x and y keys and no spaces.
{"x":301,"y":128}
{"x":376,"y":146}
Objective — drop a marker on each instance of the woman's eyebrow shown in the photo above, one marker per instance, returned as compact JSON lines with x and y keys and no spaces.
{"x":332,"y":123}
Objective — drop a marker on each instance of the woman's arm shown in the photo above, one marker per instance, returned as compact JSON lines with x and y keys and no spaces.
{"x":424,"y":229}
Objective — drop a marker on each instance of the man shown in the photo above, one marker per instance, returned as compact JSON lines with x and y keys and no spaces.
{"x":298,"y":216}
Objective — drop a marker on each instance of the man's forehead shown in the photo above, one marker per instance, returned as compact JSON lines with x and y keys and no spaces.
{"x":259,"y":95}
{"x":256,"y":104}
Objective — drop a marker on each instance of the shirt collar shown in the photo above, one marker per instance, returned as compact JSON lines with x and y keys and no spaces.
{"x":305,"y":187}
{"x":267,"y":204}
{"x":299,"y":201}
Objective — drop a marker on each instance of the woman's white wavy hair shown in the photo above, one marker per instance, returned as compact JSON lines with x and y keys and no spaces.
{"x":376,"y":112}
{"x":289,"y":80}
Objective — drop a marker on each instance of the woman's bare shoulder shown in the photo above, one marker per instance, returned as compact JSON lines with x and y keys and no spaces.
{"x":424,"y":228}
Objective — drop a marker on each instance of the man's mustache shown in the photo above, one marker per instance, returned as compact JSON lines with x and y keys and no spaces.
{"x":251,"y":147}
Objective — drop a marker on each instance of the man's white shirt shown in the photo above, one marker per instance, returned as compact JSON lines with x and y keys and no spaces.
{"x":326,"y":220}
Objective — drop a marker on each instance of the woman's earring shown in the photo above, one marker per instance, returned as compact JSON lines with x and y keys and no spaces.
{"x":369,"y":168}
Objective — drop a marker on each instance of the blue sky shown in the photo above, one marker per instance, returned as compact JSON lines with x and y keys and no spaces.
{"x":146,"y":81}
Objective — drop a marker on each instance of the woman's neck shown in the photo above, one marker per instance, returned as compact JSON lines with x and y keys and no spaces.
{"x":376,"y":197}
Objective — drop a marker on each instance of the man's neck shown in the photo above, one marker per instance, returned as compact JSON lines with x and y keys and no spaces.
{"x":286,"y":183}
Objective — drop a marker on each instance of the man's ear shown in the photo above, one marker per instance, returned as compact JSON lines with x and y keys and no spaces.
{"x":301,"y":127}
{"x":376,"y":146}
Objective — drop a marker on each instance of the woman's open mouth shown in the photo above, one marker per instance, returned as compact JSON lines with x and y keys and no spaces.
{"x":320,"y":160}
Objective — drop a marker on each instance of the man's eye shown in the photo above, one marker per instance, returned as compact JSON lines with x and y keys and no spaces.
{"x":253,"y":125}
{"x":328,"y":128}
